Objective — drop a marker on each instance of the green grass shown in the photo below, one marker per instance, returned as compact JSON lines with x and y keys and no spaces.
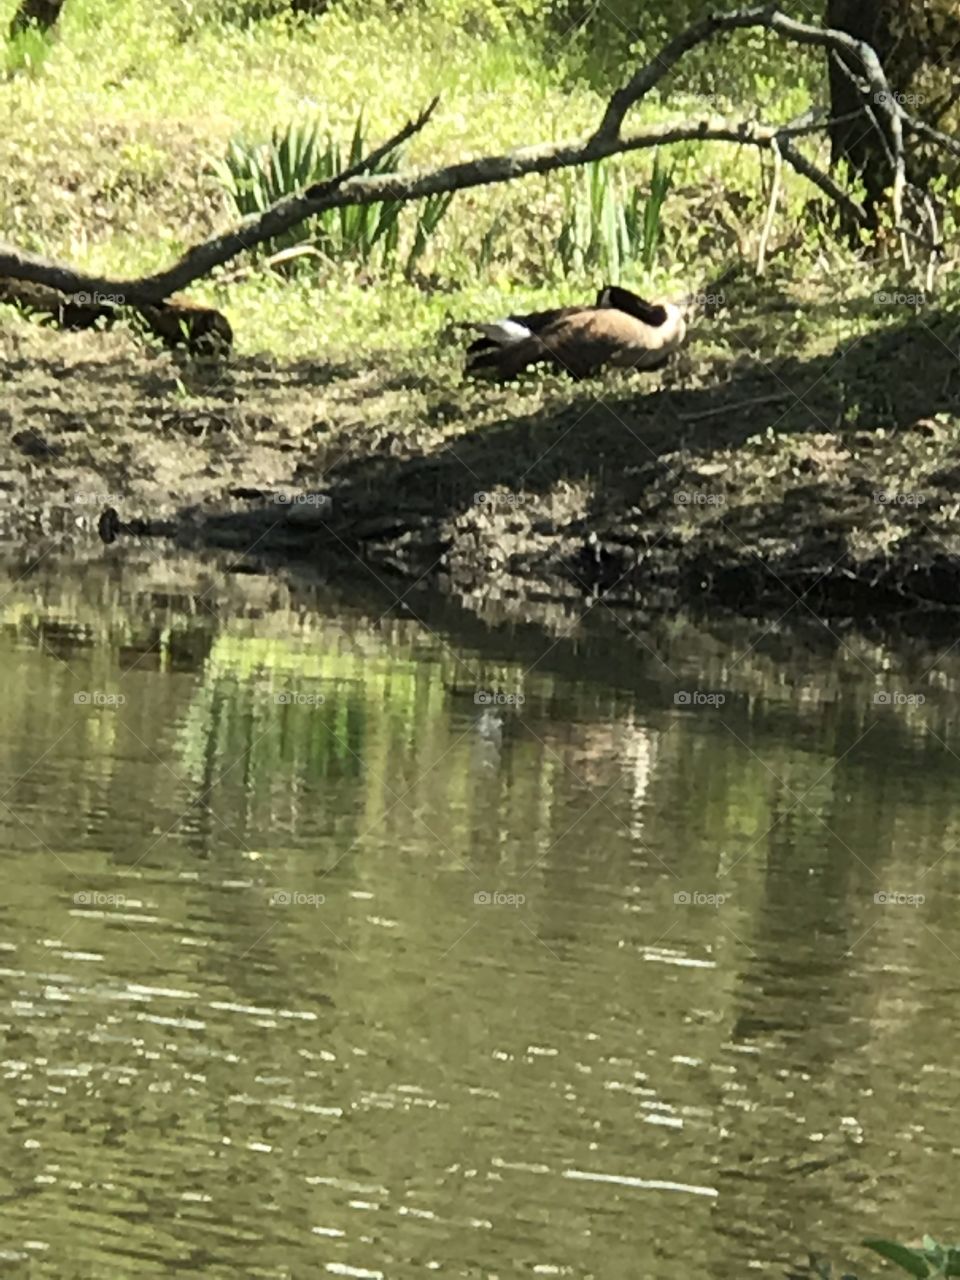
{"x":110,"y":139}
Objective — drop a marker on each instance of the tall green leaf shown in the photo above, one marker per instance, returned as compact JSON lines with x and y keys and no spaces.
{"x":909,"y":1260}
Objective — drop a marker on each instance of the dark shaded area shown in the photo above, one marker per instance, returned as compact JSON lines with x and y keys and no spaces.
{"x":830,"y":478}
{"x":918,"y":46}
{"x":796,"y":511}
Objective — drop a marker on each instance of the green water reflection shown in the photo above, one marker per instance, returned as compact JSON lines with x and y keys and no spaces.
{"x":314,"y":963}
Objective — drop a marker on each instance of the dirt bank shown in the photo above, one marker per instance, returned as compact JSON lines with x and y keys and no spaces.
{"x":728,"y":481}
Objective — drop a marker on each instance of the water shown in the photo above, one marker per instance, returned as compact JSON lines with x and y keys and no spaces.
{"x":312,"y":964}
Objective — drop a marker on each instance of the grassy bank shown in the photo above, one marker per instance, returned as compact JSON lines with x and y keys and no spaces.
{"x":800,"y":397}
{"x":112,"y":128}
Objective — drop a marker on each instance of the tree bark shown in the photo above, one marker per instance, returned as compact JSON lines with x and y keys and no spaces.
{"x":917,"y":42}
{"x":862,"y":148}
{"x":886,"y":118}
{"x":41,"y":14}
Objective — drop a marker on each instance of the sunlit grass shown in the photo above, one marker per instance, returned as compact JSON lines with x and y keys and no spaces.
{"x":109,"y":143}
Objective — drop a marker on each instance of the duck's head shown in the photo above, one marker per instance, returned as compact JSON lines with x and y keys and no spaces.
{"x":613,"y":295}
{"x":666,"y":311}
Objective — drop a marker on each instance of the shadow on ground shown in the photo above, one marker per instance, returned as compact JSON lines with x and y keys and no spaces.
{"x":744,"y":482}
{"x":728,"y":479}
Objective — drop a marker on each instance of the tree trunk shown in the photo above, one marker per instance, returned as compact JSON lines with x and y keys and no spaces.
{"x":41,"y":14}
{"x":918,"y":43}
{"x":854,"y":141}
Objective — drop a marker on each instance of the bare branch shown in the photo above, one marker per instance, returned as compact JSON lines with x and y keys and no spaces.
{"x":770,"y":18}
{"x":354,"y":186}
{"x":771,"y":209}
{"x":365,"y":163}
{"x":201,"y":259}
{"x":488,"y":170}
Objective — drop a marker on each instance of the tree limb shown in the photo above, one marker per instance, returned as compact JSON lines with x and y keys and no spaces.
{"x":200,"y":260}
{"x":321,"y":189}
{"x":352,"y":187}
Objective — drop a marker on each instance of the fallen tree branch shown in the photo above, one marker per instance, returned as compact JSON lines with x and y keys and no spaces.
{"x":321,"y":189}
{"x":487,"y":171}
{"x":351,"y":187}
{"x":735,"y":406}
{"x":88,"y":290}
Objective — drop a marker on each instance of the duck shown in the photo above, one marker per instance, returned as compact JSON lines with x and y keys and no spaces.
{"x":620,"y":330}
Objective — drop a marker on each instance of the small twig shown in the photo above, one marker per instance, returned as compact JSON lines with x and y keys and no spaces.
{"x":771,"y":207}
{"x":936,"y":249}
{"x":732,"y":408}
{"x":366,"y":163}
{"x":932,"y":246}
{"x":291,"y":252}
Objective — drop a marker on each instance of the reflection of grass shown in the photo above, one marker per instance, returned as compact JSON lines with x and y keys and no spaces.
{"x":262,"y":697}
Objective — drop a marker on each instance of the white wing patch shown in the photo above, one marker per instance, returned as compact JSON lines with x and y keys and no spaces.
{"x":505,"y":332}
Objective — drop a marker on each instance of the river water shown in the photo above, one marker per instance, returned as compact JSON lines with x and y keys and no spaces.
{"x":357,"y":940}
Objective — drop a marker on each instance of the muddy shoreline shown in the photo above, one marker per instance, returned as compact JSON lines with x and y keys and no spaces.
{"x":827,"y":483}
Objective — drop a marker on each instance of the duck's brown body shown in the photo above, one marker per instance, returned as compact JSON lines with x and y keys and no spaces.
{"x":591,"y":340}
{"x":178,"y":322}
{"x":622,"y":331}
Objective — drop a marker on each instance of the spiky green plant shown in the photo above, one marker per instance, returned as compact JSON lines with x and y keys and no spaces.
{"x":652,"y":225}
{"x":257,"y":175}
{"x":607,"y":223}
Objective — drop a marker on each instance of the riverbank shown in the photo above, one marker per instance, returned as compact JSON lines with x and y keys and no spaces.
{"x":741,"y":481}
{"x":803,"y":445}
